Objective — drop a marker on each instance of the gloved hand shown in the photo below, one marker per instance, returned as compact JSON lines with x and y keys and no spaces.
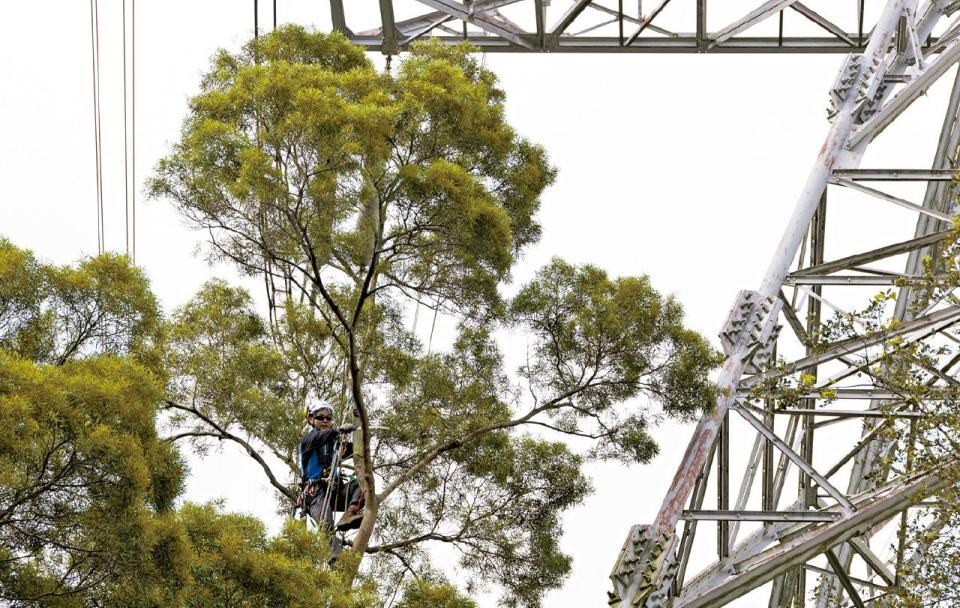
{"x":347,"y":429}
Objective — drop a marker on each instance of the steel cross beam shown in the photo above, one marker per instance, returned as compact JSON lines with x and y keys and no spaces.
{"x":598,"y":26}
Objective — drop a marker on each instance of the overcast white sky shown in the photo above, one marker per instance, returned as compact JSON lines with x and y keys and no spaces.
{"x":681,"y":167}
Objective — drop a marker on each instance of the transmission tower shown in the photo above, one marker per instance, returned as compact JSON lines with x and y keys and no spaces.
{"x":894,"y":50}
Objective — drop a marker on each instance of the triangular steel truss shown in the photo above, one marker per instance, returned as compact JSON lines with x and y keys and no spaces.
{"x":609,"y":26}
{"x":816,"y":527}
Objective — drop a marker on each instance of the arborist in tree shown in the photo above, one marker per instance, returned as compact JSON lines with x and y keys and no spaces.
{"x":321,"y":451}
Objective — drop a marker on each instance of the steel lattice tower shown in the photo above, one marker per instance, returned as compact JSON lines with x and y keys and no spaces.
{"x":890,"y":61}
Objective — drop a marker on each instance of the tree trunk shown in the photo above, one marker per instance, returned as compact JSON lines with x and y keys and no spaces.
{"x":365,"y":532}
{"x":361,"y":444}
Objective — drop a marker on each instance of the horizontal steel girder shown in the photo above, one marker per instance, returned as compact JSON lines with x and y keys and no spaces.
{"x":578,"y":27}
{"x":681,"y":43}
{"x":798,"y":516}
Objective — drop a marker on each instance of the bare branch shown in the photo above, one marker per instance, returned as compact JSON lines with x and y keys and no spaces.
{"x":224,"y":434}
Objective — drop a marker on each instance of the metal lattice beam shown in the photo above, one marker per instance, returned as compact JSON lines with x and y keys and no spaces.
{"x":672,"y":26}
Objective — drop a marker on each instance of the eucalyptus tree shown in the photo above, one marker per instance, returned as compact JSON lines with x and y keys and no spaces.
{"x":89,"y":489}
{"x":358,"y":196}
{"x":86,"y":483}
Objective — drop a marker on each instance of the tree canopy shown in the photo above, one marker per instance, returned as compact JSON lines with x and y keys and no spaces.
{"x":89,"y":488}
{"x":358,"y":196}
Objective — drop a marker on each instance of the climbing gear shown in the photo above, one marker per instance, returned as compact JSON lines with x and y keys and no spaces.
{"x":316,"y":457}
{"x":312,"y":488}
{"x":332,"y":473}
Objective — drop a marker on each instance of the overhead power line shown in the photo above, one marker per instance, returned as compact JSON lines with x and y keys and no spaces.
{"x":129,"y":126}
{"x":97,"y":139}
{"x":133,"y":125}
{"x":126,"y":138}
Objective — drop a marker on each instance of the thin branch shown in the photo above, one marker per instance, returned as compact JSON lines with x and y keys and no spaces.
{"x":452,"y":444}
{"x":224,"y":434}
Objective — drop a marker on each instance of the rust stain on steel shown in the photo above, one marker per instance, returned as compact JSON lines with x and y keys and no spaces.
{"x":828,"y":152}
{"x":697,"y":450}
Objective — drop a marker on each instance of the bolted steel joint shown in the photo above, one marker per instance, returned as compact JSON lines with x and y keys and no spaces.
{"x":846,"y":77}
{"x":752,"y":323}
{"x":644,"y":572}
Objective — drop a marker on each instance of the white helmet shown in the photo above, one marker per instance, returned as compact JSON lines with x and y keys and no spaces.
{"x":318,"y":406}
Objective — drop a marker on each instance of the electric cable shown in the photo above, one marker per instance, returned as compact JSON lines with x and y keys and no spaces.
{"x":416,"y":315}
{"x":133,"y":125}
{"x":95,"y":77}
{"x":126,"y":138}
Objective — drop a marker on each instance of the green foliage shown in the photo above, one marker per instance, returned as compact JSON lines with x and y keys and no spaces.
{"x":298,"y":154}
{"x":601,"y":341}
{"x":233,"y":563}
{"x":222,"y":362}
{"x":53,"y":314}
{"x":88,"y":487}
{"x":929,"y":576}
{"x":422,"y":593}
{"x":356,"y":196}
{"x":22,"y":295}
{"x":84,"y":478}
{"x":86,"y":484}
{"x":448,"y":394}
{"x":498,"y":500}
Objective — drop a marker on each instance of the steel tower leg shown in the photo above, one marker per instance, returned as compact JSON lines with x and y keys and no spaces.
{"x":936,"y":197}
{"x":870,"y":92}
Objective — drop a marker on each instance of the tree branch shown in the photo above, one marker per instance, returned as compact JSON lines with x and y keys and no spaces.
{"x":224,"y":434}
{"x":452,"y":444}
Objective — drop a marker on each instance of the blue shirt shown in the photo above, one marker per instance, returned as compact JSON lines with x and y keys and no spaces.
{"x":316,"y":452}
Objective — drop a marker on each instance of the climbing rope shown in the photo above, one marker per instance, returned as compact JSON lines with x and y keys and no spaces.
{"x":337,"y":462}
{"x":433,"y":326}
{"x":416,"y":315}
